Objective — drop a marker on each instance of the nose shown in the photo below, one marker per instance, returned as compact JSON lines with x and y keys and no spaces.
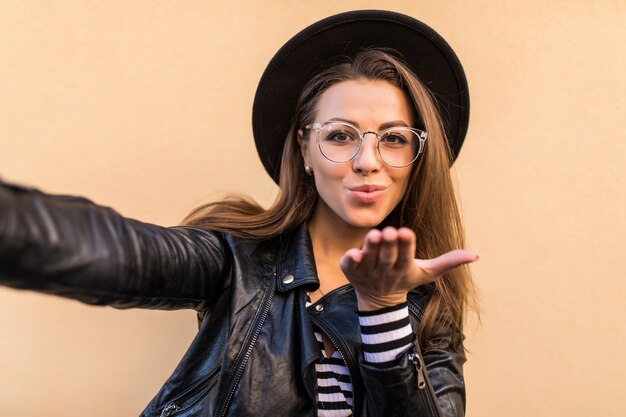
{"x":367,"y":159}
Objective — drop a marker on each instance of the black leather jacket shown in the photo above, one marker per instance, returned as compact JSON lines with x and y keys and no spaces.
{"x":255,"y":351}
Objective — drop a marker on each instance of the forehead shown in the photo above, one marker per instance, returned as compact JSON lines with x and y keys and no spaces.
{"x":369,"y":103}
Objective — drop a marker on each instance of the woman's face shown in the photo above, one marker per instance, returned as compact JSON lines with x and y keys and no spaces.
{"x":345,"y":189}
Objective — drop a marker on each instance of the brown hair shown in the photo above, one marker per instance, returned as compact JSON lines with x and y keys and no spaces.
{"x":428,"y":207}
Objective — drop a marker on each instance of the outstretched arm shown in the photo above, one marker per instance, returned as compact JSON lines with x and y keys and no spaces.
{"x":400,"y":379}
{"x":71,"y":247}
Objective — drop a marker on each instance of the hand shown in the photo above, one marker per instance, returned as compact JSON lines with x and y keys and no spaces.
{"x":385,"y":270}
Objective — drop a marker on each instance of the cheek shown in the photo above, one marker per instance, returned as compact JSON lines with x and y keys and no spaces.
{"x":403,"y":185}
{"x":323,"y":168}
{"x":327,"y":179}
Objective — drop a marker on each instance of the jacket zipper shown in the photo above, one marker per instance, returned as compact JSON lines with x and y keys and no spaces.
{"x":265,"y":306}
{"x":178,"y":403}
{"x":414,"y":357}
{"x":418,"y":362}
{"x":169,"y":409}
{"x":420,"y":367}
{"x":336,"y":345}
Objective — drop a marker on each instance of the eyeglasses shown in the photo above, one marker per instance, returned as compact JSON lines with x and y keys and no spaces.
{"x":342,"y":141}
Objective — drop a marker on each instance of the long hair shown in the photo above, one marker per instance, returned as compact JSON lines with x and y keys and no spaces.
{"x":428,"y":207}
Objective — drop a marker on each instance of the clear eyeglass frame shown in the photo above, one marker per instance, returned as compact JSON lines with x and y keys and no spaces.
{"x":421,"y":135}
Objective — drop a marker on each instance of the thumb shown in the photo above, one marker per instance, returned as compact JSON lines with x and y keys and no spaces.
{"x":449,"y":260}
{"x":351,"y":260}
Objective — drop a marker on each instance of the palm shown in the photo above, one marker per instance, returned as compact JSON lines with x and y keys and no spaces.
{"x":385,"y":270}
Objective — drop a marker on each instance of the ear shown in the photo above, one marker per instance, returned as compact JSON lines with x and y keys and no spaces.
{"x":304,"y":147}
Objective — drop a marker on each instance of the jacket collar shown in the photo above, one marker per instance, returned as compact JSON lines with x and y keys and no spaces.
{"x":296,"y":263}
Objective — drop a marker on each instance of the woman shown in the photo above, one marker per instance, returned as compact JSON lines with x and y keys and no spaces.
{"x":318,"y":305}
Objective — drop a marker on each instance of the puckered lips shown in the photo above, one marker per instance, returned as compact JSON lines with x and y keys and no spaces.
{"x":366,"y":193}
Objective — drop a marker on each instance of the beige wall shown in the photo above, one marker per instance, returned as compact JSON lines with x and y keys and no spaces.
{"x":120,"y":101}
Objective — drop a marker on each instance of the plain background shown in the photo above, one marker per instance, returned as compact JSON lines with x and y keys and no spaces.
{"x":145,"y":106}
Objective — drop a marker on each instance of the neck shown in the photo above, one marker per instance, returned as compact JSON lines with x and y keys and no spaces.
{"x":332,"y":236}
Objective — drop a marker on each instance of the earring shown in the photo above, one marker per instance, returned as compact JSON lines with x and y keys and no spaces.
{"x":308,"y":171}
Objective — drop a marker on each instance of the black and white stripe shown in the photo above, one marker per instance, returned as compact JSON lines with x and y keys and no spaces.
{"x":334,"y":385}
{"x":385,"y":333}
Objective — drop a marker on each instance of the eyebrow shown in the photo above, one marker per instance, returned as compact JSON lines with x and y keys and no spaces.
{"x":383,"y":126}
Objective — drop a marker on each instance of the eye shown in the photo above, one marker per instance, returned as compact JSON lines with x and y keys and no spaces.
{"x":340,"y":136}
{"x":395,"y":138}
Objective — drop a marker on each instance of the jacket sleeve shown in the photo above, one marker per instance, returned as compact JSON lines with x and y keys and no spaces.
{"x":71,"y":247}
{"x":445,"y":372}
{"x":428,"y":384}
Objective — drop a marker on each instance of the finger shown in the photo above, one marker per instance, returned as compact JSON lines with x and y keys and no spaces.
{"x":442,"y":264}
{"x":351,"y":260}
{"x":388,"y":254}
{"x":406,"y":248}
{"x":371,"y":247}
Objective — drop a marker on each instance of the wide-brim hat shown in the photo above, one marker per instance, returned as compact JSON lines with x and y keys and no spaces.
{"x":318,"y":46}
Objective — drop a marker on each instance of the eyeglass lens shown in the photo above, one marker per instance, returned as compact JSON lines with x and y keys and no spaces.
{"x":340,"y":143}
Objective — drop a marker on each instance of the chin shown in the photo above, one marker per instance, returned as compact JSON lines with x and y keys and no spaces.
{"x":371,"y":217}
{"x":364,"y":225}
{"x":364,"y":220}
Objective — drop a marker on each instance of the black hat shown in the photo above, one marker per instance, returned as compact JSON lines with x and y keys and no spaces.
{"x":313,"y":49}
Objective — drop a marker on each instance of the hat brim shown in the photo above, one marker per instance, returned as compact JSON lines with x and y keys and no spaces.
{"x":319,"y":45}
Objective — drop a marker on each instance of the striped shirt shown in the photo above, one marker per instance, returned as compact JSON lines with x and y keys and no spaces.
{"x":384,"y":334}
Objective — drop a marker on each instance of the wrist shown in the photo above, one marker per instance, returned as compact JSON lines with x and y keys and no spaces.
{"x":367,"y":302}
